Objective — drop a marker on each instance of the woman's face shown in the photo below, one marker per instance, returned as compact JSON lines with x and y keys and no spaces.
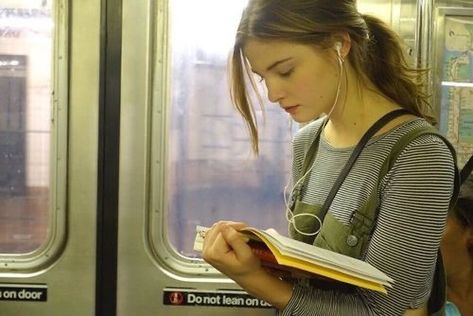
{"x":303,"y":79}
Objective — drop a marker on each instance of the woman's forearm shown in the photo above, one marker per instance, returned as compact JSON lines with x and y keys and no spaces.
{"x":267,"y":287}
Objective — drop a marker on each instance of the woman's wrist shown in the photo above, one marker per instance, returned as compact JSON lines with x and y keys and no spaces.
{"x":266,"y":286}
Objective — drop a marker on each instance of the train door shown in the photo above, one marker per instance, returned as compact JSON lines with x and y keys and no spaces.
{"x":49,"y":94}
{"x":185,"y":157}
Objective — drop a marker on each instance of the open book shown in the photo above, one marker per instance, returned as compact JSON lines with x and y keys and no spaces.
{"x":283,"y":253}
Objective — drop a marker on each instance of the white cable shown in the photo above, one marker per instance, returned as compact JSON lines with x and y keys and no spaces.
{"x":290,"y":217}
{"x":340,"y":67}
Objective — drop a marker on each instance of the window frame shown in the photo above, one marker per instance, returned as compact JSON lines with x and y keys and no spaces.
{"x":156,"y":235}
{"x":46,"y":254}
{"x":158,"y":241}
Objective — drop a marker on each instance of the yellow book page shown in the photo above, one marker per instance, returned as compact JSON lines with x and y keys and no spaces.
{"x":299,"y":264}
{"x":323,"y":271}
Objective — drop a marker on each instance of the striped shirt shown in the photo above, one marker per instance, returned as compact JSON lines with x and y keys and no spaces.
{"x":414,"y":195}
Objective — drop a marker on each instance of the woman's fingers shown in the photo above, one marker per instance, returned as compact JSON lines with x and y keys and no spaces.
{"x":227,"y":250}
{"x":238,"y":242}
{"x":217,"y":228}
{"x":215,"y":247}
{"x":224,"y":245}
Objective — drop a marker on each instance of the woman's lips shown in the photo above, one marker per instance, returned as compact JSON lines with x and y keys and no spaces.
{"x":291,"y":109}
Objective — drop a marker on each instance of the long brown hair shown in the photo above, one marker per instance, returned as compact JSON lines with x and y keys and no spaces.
{"x":376,"y":53}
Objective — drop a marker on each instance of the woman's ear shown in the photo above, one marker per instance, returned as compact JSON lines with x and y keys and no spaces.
{"x":341,"y":43}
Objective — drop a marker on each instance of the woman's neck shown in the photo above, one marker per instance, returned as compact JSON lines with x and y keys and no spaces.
{"x":360,"y":107}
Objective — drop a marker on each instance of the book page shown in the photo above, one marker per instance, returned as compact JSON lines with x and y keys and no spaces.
{"x":305,"y":257}
{"x":297,"y":249}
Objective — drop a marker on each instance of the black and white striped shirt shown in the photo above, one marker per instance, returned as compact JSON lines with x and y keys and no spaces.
{"x":415,"y":196}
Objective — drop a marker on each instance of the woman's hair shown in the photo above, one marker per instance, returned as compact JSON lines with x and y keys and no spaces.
{"x":376,"y":52}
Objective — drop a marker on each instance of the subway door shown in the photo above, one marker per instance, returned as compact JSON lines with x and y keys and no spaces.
{"x":185,"y":159}
{"x":49,"y":93}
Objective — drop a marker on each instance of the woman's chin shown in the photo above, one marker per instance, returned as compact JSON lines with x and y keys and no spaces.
{"x":303,"y":119}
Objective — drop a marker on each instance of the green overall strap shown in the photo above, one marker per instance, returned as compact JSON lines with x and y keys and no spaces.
{"x":311,"y":153}
{"x":438,"y":296}
{"x":407,"y":139}
{"x":353,"y":239}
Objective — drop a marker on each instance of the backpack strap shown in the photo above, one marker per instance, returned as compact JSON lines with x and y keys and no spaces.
{"x":438,"y":295}
{"x":311,"y":153}
{"x":407,"y":139}
{"x":467,"y":168}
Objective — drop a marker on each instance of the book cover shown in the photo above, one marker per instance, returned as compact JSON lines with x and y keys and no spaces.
{"x":285,"y":254}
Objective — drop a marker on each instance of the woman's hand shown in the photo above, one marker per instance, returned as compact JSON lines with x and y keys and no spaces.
{"x":227,"y":250}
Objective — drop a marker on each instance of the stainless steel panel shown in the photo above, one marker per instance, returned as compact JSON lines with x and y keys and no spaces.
{"x":142,"y":273}
{"x":71,"y":278}
{"x":401,"y":16}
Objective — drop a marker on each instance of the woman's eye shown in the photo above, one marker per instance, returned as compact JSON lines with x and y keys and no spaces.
{"x":286,"y":73}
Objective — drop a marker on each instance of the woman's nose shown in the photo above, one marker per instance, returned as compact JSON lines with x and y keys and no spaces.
{"x":275,"y":92}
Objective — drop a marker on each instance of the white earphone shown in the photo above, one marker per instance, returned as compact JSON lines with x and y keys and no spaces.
{"x":338,"y":47}
{"x":290,"y":216}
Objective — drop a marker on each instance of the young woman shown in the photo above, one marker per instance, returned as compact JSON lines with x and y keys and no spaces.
{"x":457,"y":249}
{"x":321,"y":58}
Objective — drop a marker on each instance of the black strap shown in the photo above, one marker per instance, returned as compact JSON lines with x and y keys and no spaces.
{"x":356,"y":152}
{"x":438,"y":294}
{"x":467,"y":168}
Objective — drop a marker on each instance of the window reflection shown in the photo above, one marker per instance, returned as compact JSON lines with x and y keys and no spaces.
{"x":212,"y":173}
{"x":25,"y":76}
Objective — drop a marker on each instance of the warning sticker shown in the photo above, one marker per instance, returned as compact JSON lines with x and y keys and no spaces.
{"x":221,"y":298}
{"x":24,"y":292}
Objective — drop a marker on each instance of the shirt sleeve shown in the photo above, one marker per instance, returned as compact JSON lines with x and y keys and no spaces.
{"x":415,"y":197}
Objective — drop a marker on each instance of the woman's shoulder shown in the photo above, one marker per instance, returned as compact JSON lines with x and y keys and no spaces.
{"x":409,"y":149}
{"x":416,"y":132}
{"x":423,"y":133}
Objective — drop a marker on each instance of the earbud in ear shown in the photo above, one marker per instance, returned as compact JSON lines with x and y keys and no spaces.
{"x":338,"y":48}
